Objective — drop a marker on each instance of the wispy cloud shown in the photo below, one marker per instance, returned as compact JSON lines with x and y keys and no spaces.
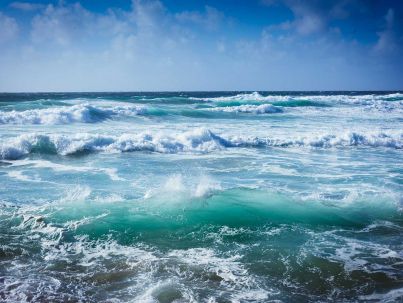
{"x":61,"y":25}
{"x":387,"y":38}
{"x":9,"y":28}
{"x":311,"y":17}
{"x":210,"y":18}
{"x":26,"y":6}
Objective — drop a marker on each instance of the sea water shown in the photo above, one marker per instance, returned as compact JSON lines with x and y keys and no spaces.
{"x":201,"y":197}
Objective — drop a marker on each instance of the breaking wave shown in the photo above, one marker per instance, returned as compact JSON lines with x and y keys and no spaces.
{"x":245,"y":96}
{"x":83,"y":113}
{"x":259,"y":97}
{"x":386,"y":102}
{"x":255,"y":109}
{"x":199,"y":140}
{"x":78,"y":251}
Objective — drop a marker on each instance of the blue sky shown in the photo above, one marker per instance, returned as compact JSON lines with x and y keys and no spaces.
{"x":125,"y":45}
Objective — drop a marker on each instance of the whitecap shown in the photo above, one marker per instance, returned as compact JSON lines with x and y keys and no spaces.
{"x":254,"y":109}
{"x":199,"y":140}
{"x":83,"y":113}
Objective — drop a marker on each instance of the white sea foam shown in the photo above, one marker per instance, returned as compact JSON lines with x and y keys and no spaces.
{"x":235,"y":277}
{"x":394,"y":295}
{"x":199,"y":140}
{"x":175,"y":184}
{"x":110,"y":172}
{"x":255,"y":109}
{"x":206,"y":186}
{"x":77,"y":193}
{"x":74,"y":224}
{"x":383,"y":103}
{"x":108,"y":198}
{"x":171,"y":286}
{"x":229,"y":269}
{"x":83,"y":113}
{"x":94,"y":253}
{"x":352,"y":253}
{"x":256,"y":96}
{"x":19,"y":175}
{"x":32,"y":287}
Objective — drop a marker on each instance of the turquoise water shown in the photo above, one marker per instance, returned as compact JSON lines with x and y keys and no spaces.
{"x":201,"y":197}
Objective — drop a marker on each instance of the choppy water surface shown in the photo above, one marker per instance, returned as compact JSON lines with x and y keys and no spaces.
{"x":201,"y":197}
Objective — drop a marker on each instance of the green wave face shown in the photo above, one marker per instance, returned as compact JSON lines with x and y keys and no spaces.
{"x":178,"y":235}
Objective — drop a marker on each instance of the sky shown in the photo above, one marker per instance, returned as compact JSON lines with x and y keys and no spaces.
{"x":177,"y":45}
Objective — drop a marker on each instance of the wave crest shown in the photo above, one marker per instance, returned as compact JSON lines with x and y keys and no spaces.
{"x":196,"y":141}
{"x":83,"y":113}
{"x":246,"y":108}
{"x":384,"y":103}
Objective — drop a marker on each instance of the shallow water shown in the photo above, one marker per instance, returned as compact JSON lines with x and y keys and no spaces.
{"x":201,"y":197}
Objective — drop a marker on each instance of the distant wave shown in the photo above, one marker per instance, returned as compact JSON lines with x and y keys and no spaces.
{"x":255,"y":109}
{"x":259,"y":97}
{"x":252,"y":103}
{"x":255,"y":96}
{"x":386,"y":102}
{"x":83,"y":113}
{"x":199,"y":140}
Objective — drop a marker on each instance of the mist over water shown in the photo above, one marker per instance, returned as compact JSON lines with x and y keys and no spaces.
{"x":201,"y":197}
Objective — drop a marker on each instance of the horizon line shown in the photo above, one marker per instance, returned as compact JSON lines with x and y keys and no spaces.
{"x":195,"y":91}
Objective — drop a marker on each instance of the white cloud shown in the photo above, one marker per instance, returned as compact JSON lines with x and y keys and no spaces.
{"x":60,"y":25}
{"x":387,"y":38}
{"x":307,"y":20}
{"x":148,"y":47}
{"x":147,"y":23}
{"x":209,"y":19}
{"x":26,"y":6}
{"x":311,"y":17}
{"x":72,"y":48}
{"x":149,"y":17}
{"x":308,"y":24}
{"x":8,"y":28}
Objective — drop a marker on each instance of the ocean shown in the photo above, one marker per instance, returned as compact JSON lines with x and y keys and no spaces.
{"x":201,"y":197}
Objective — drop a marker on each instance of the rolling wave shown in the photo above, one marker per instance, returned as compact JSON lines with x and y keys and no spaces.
{"x":386,"y":102}
{"x":114,"y":244}
{"x":221,"y":208}
{"x":256,"y":96}
{"x":200,"y":140}
{"x":251,"y":103}
{"x":83,"y":113}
